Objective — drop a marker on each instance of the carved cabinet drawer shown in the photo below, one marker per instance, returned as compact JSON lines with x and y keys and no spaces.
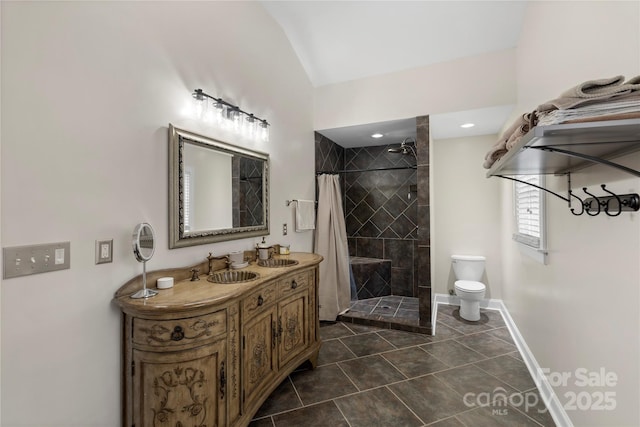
{"x":179,"y":332}
{"x":293,"y":283}
{"x":259,"y":300}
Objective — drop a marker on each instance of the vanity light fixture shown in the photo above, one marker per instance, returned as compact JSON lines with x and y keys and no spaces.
{"x":467,"y":125}
{"x":229,"y":116}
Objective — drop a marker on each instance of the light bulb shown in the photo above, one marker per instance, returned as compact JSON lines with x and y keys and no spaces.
{"x":264,"y":131}
{"x":218,"y":108}
{"x":249,"y":127}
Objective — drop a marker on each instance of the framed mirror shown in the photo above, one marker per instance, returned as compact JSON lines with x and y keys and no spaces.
{"x":217,"y":191}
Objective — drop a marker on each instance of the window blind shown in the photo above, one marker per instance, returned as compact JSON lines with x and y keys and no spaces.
{"x":186,"y":193}
{"x":528,"y":211}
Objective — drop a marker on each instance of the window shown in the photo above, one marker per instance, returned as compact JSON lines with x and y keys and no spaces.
{"x":187,"y":200}
{"x":529,"y":212}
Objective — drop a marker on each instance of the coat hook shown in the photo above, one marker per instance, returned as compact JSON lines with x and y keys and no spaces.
{"x":606,"y":208}
{"x":588,"y":206}
{"x":581,"y":204}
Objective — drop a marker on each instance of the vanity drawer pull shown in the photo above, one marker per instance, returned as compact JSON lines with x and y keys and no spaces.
{"x":177,"y":334}
{"x":260,"y":300}
{"x":294,"y":284}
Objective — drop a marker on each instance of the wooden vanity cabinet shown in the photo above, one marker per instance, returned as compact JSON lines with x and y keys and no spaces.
{"x":203,"y":354}
{"x":275,"y":331}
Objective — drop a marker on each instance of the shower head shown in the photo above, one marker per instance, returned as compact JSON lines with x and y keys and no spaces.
{"x":405,"y":147}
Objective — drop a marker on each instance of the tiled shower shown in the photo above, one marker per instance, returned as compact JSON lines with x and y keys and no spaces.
{"x":385,"y":199}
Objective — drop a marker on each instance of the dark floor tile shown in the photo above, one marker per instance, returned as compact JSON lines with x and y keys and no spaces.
{"x":502,"y":333}
{"x":376,"y":408}
{"x":320,"y":415}
{"x":495,"y":318}
{"x":533,"y":406}
{"x":372,"y":371}
{"x":414,"y":362}
{"x":487,"y":344}
{"x":385,"y":310}
{"x":334,"y":351}
{"x":263,"y":422}
{"x":444,"y":332}
{"x":429,"y":398}
{"x":517,"y":355}
{"x":361,"y":329}
{"x":465,"y":326}
{"x":366,"y":344}
{"x":502,"y":417}
{"x":408,"y":314}
{"x":470,"y":381}
{"x":403,"y":339}
{"x":282,"y":399}
{"x":392,"y":299}
{"x":447,"y":309}
{"x":323,"y":383}
{"x":508,"y":370}
{"x":449,"y":422}
{"x":335,"y":330}
{"x":362,"y":307}
{"x":453,"y":353}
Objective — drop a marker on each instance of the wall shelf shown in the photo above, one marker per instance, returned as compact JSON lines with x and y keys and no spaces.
{"x":565,"y":148}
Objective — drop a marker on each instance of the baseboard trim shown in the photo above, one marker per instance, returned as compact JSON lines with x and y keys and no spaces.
{"x":556,"y":410}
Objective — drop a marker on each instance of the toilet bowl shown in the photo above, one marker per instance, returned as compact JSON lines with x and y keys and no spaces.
{"x":468,"y":270}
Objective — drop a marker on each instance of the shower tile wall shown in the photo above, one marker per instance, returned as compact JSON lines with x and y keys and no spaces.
{"x":382,"y":222}
{"x":381,"y":212}
{"x":424,"y":235}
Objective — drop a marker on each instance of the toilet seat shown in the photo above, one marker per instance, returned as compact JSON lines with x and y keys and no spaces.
{"x":469,"y":286}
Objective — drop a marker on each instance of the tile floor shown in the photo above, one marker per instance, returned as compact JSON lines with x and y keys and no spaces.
{"x":388,"y":312}
{"x":468,"y":374}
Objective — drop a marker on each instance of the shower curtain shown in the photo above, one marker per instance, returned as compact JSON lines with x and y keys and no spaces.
{"x":331,"y":243}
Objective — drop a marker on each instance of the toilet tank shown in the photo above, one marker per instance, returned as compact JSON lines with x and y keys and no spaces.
{"x":468,"y":267}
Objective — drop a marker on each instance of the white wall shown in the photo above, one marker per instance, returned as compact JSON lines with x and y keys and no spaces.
{"x":581,"y":310}
{"x":463,"y":211}
{"x":464,"y":84}
{"x":88,"y":90}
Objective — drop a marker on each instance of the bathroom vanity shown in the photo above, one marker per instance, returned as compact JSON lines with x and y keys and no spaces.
{"x":209,"y":354}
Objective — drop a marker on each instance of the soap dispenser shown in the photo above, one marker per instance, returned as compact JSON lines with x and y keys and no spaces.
{"x":263,"y":250}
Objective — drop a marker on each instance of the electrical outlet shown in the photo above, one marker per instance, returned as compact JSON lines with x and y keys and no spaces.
{"x":104,"y":251}
{"x":284,"y":229}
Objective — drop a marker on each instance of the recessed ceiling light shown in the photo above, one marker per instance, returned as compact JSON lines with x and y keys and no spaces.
{"x":377,"y":135}
{"x":467,"y":125}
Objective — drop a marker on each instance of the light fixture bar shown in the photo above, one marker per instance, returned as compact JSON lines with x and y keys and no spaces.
{"x":200,"y":95}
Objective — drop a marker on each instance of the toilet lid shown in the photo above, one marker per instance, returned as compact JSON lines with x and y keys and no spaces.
{"x":470,"y":286}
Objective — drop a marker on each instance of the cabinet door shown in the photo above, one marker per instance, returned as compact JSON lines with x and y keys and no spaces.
{"x":293,"y":326}
{"x":259,"y":341}
{"x":186,"y":388}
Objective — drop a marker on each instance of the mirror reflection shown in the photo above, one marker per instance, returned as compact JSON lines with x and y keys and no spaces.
{"x":217,"y":192}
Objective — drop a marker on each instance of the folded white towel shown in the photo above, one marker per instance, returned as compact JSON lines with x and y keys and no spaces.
{"x":305,"y":215}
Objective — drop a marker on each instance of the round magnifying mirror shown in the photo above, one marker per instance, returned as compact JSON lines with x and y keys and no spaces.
{"x":144,"y":239}
{"x":144,"y":245}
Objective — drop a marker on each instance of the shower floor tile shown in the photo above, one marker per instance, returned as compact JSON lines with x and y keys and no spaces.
{"x":390,"y":312}
{"x":369,"y":375}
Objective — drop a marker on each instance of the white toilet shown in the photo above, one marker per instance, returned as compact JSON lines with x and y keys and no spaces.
{"x":468,"y":270}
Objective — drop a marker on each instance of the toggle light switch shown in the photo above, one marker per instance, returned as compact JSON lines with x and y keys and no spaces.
{"x":34,"y":259}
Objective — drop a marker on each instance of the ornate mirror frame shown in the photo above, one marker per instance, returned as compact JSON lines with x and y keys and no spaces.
{"x":177,"y":236}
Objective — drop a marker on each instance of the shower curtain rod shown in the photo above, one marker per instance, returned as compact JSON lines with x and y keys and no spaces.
{"x":367,"y":170}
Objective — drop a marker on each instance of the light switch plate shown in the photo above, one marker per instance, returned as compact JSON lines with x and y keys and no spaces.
{"x":104,"y":251}
{"x":34,"y":259}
